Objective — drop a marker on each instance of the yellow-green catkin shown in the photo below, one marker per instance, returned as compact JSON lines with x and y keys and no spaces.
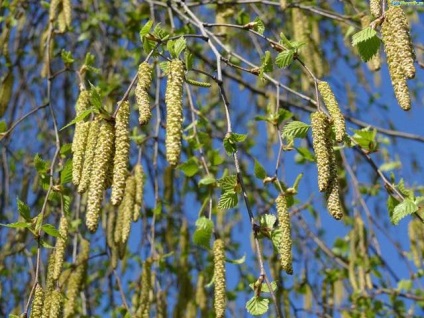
{"x":122,"y":150}
{"x":50,"y":282}
{"x":37,"y":302}
{"x":285,"y":245}
{"x":127,"y":209}
{"x":67,"y":12}
{"x":146,"y":286}
{"x":201,"y":297}
{"x":321,"y":139}
{"x":174,"y":111}
{"x":142,"y":92}
{"x":79,"y":145}
{"x":139,"y":190}
{"x":399,"y":53}
{"x":54,"y":4}
{"x":284,"y":4}
{"x":60,"y":247}
{"x":219,"y":274}
{"x":374,"y":64}
{"x":99,"y":174}
{"x":90,"y":151}
{"x":56,"y":307}
{"x":333,"y":191}
{"x":6,"y":89}
{"x":82,"y":104}
{"x":375,"y":8}
{"x":334,"y":109}
{"x":76,"y":279}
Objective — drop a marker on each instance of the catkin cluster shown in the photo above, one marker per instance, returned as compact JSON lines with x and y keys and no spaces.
{"x":174,"y":111}
{"x":374,"y":64}
{"x":64,"y":17}
{"x":141,"y":92}
{"x":375,"y":8}
{"x":326,"y":163}
{"x":219,"y":273}
{"x":37,"y":303}
{"x":60,"y":247}
{"x":100,"y":169}
{"x":285,"y":245}
{"x":139,"y":190}
{"x":399,"y":52}
{"x":76,"y":279}
{"x":334,"y":109}
{"x":122,"y":150}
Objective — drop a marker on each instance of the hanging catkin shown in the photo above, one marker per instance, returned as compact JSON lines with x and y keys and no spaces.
{"x":90,"y":151}
{"x":50,"y":282}
{"x":334,"y":109}
{"x":56,"y":307}
{"x":127,"y":209}
{"x":142,"y":92}
{"x":201,"y":297}
{"x":146,"y":286}
{"x":174,"y":112}
{"x":54,"y":4}
{"x":139,"y":190}
{"x":79,"y":145}
{"x":67,"y":12}
{"x":122,"y":149}
{"x":60,"y":247}
{"x":321,"y":139}
{"x":375,"y":8}
{"x":76,"y":279}
{"x":82,"y":104}
{"x":399,"y":52}
{"x":333,"y":191}
{"x":285,"y":245}
{"x":99,"y":174}
{"x":37,"y":302}
{"x":219,"y":273}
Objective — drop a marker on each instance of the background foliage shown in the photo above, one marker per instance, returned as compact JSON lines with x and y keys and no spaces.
{"x":246,"y":139}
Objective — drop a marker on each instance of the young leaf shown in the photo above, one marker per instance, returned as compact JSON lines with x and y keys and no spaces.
{"x":145,"y":29}
{"x":23,"y":210}
{"x":264,"y":287}
{"x":405,"y":208}
{"x":267,"y":220}
{"x":259,"y":26}
{"x":50,"y":230}
{"x":295,"y":129}
{"x":79,"y":118}
{"x":284,"y":58}
{"x":228,"y":200}
{"x":228,"y":183}
{"x":229,"y":145}
{"x":40,"y":165}
{"x":238,"y":137}
{"x":66,"y":173}
{"x":363,"y":35}
{"x":238,"y":261}
{"x":203,"y":233}
{"x":266,"y":62}
{"x":207,"y":180}
{"x":189,"y":59}
{"x":179,"y":46}
{"x":367,"y":49}
{"x":257,"y":306}
{"x":190,"y":167}
{"x":17,"y":225}
{"x":285,"y":41}
{"x":260,"y":172}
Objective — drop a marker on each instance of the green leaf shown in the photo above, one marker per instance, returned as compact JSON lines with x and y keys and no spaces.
{"x":66,"y":57}
{"x":260,"y":172}
{"x":363,"y":35}
{"x":145,"y":29}
{"x":50,"y":230}
{"x":267,"y":220}
{"x":305,"y":153}
{"x":283,"y":114}
{"x":238,"y":137}
{"x":369,"y":48}
{"x":190,"y":167}
{"x":24,"y":210}
{"x":238,"y":261}
{"x":276,"y":237}
{"x":164,"y":66}
{"x":266,"y":62}
{"x":405,"y":191}
{"x":365,"y":138}
{"x":259,"y":26}
{"x":257,"y":306}
{"x":17,"y":225}
{"x":66,"y":173}
{"x":229,"y":146}
{"x":392,"y":165}
{"x":285,"y":41}
{"x":65,"y":149}
{"x":179,"y":46}
{"x":284,"y":58}
{"x":79,"y":118}
{"x":159,"y":32}
{"x":203,"y":233}
{"x":295,"y":129}
{"x":189,"y":60}
{"x":45,"y":244}
{"x":40,"y":165}
{"x":228,"y":183}
{"x":207,"y":180}
{"x":403,"y":209}
{"x":228,"y":200}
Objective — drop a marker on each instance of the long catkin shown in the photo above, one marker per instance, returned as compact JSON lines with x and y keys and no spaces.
{"x":141,"y":92}
{"x":37,"y":302}
{"x":285,"y":245}
{"x":174,"y":111}
{"x":90,"y":151}
{"x":139,"y":190}
{"x":333,"y":191}
{"x":60,"y":247}
{"x":79,"y":144}
{"x":127,"y":209}
{"x":122,"y":150}
{"x":99,"y":174}
{"x":219,"y":273}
